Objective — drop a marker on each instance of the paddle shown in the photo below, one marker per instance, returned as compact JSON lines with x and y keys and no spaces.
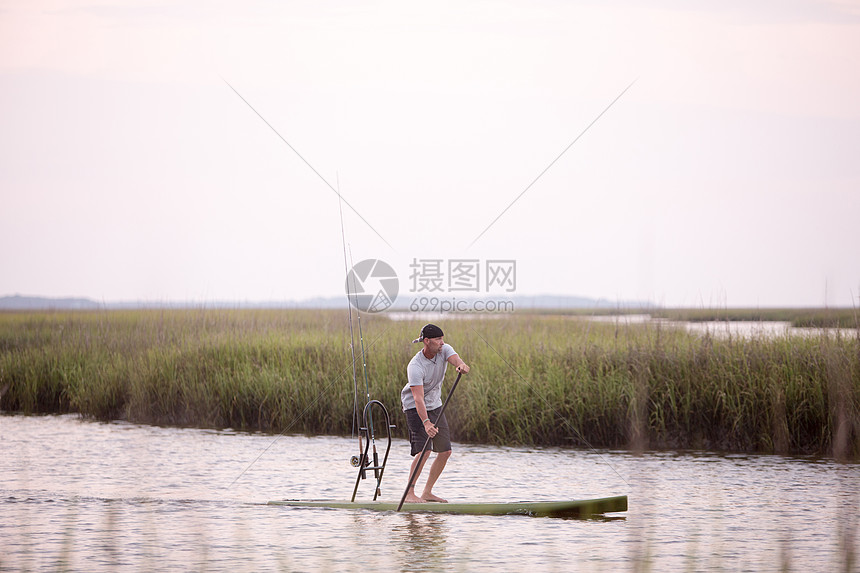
{"x":414,"y":475}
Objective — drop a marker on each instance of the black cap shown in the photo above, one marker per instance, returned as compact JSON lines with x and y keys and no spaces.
{"x":429,"y":331}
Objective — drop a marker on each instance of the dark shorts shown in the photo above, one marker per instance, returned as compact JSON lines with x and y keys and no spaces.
{"x":418,"y":435}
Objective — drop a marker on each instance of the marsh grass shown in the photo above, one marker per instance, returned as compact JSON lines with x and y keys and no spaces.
{"x":548,"y":380}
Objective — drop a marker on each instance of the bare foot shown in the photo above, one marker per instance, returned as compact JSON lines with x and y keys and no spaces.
{"x":436,"y":498}
{"x":412,"y":498}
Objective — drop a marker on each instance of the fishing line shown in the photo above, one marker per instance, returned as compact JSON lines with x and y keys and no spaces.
{"x":529,"y":186}
{"x":548,"y":405}
{"x":307,"y":163}
{"x":342,"y":373}
{"x":351,"y":275}
{"x":296,"y":419}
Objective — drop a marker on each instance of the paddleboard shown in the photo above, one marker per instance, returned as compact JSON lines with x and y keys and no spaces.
{"x":563,"y":508}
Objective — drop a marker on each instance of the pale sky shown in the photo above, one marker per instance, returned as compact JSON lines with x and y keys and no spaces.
{"x":727,"y":175}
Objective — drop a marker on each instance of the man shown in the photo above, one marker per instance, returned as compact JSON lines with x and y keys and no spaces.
{"x":422,"y":403}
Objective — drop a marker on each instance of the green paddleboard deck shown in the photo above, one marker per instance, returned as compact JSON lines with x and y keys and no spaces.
{"x":567,"y":508}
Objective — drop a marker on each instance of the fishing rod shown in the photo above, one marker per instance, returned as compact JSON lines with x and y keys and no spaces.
{"x":363,"y":461}
{"x":300,"y":415}
{"x":414,"y":475}
{"x":360,"y":461}
{"x":356,"y":461}
{"x":367,"y":430}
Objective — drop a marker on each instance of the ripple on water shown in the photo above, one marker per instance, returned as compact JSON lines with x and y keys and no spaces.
{"x":105,"y":496}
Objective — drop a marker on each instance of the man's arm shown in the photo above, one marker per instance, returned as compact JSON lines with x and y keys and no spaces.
{"x":421,"y":408}
{"x":457,"y":362}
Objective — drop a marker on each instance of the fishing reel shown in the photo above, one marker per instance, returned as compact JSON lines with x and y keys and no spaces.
{"x":355,"y":461}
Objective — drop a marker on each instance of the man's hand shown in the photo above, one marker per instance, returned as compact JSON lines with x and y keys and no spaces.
{"x":430,"y":428}
{"x":463,"y":367}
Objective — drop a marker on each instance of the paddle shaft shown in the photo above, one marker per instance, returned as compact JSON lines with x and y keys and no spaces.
{"x":414,"y":475}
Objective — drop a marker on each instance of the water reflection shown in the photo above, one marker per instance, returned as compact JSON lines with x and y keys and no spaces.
{"x":424,"y":541}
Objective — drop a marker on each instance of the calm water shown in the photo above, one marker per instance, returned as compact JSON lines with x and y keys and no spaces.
{"x":728,"y":328}
{"x":89,"y":496}
{"x":717,"y":328}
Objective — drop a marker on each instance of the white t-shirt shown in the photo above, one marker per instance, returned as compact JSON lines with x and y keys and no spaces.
{"x":428,"y":373}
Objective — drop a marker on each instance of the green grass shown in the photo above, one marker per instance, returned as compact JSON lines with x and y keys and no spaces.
{"x":546,"y":380}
